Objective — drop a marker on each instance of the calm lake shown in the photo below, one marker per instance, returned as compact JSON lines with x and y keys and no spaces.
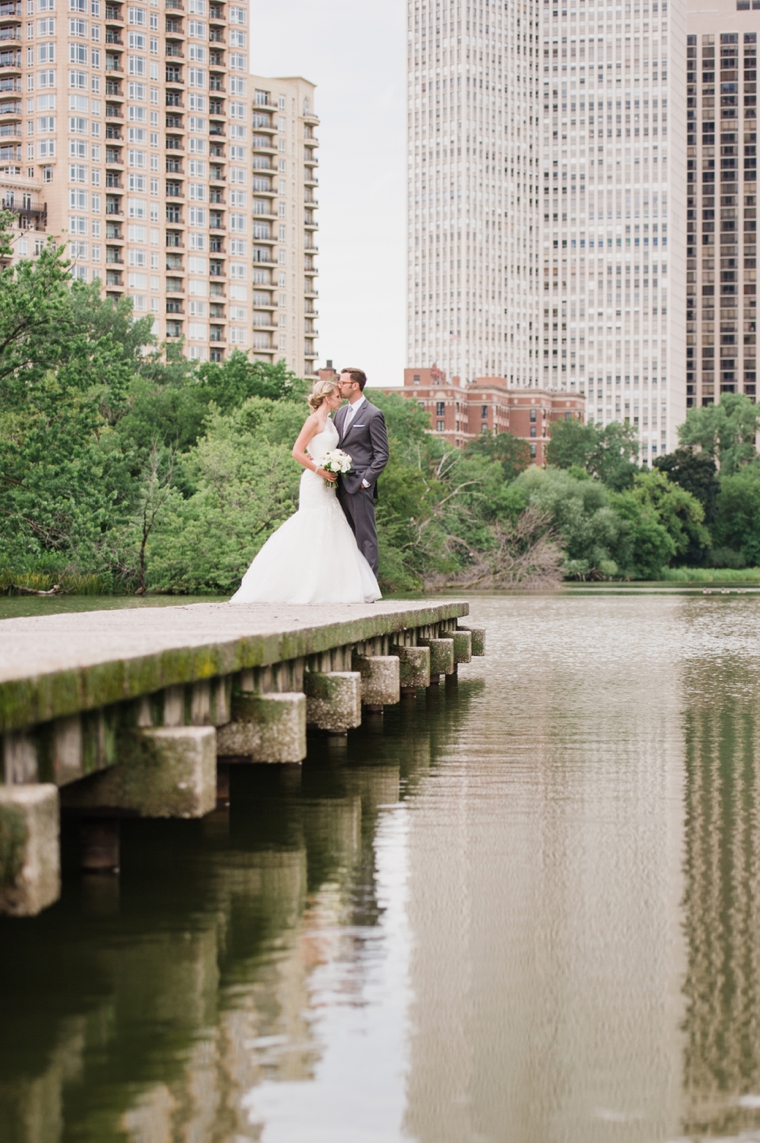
{"x":525,"y":909}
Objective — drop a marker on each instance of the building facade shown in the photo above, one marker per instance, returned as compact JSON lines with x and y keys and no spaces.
{"x":614,"y":212}
{"x":285,"y":225}
{"x":460,"y":412}
{"x":587,"y":271}
{"x":473,"y":188}
{"x":174,"y":175}
{"x":721,"y":354}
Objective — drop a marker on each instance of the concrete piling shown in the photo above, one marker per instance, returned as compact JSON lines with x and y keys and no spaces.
{"x":380,"y":680}
{"x":30,"y":863}
{"x":132,"y":725}
{"x":414,"y":667}
{"x":462,"y":646}
{"x":478,"y":637}
{"x":265,"y":728}
{"x":441,"y":657}
{"x":166,"y":772}
{"x":333,"y":700}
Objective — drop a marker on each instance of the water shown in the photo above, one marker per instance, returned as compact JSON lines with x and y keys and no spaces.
{"x":527,"y":909}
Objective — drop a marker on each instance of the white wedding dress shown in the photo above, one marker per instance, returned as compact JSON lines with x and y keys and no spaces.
{"x":313,"y":557}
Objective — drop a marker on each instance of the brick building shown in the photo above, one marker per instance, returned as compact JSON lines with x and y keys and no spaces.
{"x":460,"y":412}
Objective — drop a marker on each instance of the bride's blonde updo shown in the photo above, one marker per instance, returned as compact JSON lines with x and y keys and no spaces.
{"x":321,"y":390}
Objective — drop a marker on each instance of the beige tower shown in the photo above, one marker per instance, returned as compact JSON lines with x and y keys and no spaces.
{"x":722,"y":200}
{"x":142,"y":130}
{"x":284,"y":193}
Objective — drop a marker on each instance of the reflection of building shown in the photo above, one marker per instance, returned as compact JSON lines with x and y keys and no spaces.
{"x":721,"y":901}
{"x":721,"y":313}
{"x":544,"y":881}
{"x":459,"y":412}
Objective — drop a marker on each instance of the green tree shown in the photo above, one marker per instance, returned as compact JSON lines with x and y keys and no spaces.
{"x":679,"y":513}
{"x":644,"y":546}
{"x":578,"y":511}
{"x":695,"y":471}
{"x":512,"y":453}
{"x":725,"y":432}
{"x":610,"y":453}
{"x":572,"y":444}
{"x":737,"y":524}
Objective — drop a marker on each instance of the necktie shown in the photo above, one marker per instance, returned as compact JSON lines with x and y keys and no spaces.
{"x":349,"y":418}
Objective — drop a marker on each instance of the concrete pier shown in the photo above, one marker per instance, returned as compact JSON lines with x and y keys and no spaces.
{"x":127,"y":711}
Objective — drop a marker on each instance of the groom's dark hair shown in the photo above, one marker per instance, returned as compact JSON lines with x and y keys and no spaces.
{"x":357,"y":375}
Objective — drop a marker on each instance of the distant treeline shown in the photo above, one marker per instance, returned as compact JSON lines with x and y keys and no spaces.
{"x":125,"y":467}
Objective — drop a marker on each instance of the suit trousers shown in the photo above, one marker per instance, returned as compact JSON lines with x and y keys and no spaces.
{"x":359,"y":510}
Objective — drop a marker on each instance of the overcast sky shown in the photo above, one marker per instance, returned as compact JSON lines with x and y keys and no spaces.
{"x":354,"y":51}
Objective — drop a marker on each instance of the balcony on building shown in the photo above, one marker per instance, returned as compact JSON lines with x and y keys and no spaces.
{"x":113,"y":206}
{"x":173,"y":28}
{"x":216,"y":36}
{"x":174,"y":74}
{"x":9,"y":10}
{"x":173,"y":328}
{"x":216,"y":13}
{"x":174,"y":51}
{"x":216,"y":333}
{"x":114,"y":14}
{"x":175,"y":286}
{"x":10,"y":61}
{"x":175,"y":240}
{"x":29,"y":212}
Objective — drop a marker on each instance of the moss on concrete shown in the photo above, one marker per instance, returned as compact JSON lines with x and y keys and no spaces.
{"x":27,"y":701}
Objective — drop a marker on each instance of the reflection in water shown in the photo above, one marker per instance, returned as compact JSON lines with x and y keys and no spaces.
{"x":162,"y":1006}
{"x":524,"y":910}
{"x":722,"y":899}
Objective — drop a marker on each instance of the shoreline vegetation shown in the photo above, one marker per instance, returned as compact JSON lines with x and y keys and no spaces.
{"x":126,"y":469}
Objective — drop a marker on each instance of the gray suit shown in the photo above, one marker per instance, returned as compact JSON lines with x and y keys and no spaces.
{"x":366,"y":442}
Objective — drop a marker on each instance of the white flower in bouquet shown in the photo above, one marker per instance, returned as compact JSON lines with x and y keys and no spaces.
{"x":336,"y":461}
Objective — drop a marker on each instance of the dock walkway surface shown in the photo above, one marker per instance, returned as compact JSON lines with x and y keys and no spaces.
{"x":106,"y":713}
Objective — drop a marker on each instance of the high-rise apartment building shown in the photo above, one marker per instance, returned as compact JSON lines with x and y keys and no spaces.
{"x":721,"y":355}
{"x":284,"y":190}
{"x":547,"y":201}
{"x":473,"y":251}
{"x":175,"y":176}
{"x":614,"y":211}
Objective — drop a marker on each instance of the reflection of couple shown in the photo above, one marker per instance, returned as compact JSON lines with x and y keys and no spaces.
{"x":327,"y":552}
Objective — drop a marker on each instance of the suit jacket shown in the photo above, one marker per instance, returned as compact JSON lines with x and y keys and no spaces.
{"x":366,"y":442}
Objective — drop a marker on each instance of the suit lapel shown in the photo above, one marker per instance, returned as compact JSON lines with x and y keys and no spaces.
{"x":345,"y":437}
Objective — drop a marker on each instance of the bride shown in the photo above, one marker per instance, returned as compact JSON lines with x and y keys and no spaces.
{"x":313,"y":557}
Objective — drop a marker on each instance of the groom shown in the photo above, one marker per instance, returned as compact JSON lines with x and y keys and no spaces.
{"x":361,"y":427}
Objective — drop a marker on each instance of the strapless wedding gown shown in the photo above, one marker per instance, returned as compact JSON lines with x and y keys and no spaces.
{"x":313,"y":557}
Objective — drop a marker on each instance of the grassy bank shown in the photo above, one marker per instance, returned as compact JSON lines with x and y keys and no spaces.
{"x":710,"y":575}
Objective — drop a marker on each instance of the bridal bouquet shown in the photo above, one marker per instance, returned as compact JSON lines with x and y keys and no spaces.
{"x":336,"y":461}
